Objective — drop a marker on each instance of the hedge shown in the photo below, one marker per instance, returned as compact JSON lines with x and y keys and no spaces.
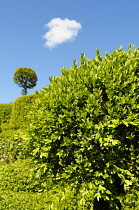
{"x":20,"y":110}
{"x":5,"y":112}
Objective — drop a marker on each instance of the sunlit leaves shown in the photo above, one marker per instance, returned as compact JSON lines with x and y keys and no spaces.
{"x":87,"y":120}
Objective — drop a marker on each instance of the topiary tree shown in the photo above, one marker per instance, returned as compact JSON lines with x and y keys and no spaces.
{"x":26,"y":78}
{"x":85,"y":126}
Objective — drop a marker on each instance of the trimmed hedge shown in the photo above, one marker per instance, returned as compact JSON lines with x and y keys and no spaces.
{"x":19,"y":176}
{"x":15,"y":176}
{"x":10,"y":200}
{"x":5,"y":112}
{"x":13,"y":144}
{"x":20,"y":110}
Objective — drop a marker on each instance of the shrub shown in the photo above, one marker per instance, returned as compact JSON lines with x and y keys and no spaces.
{"x":6,"y":142}
{"x":129,"y":202}
{"x":54,"y":199}
{"x":18,"y":186}
{"x":5,"y":126}
{"x":18,"y":176}
{"x":15,"y":176}
{"x":5,"y":112}
{"x":13,"y":144}
{"x":20,"y":110}
{"x":10,"y":200}
{"x":85,"y":126}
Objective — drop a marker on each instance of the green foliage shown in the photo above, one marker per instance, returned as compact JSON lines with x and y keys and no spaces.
{"x":56,"y":198}
{"x":18,"y":182}
{"x":5,"y":126}
{"x":13,"y":144}
{"x":26,"y":78}
{"x":10,"y":200}
{"x":18,"y":186}
{"x":5,"y":112}
{"x":129,"y":202}
{"x":15,"y":176}
{"x":85,"y":127}
{"x":20,"y":110}
{"x":19,"y":176}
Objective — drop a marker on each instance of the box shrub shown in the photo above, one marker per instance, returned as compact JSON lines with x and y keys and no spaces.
{"x":13,"y":144}
{"x":17,"y":176}
{"x":10,"y":200}
{"x":20,"y":110}
{"x":5,"y":112}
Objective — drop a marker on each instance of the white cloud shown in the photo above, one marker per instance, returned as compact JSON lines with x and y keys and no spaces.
{"x":61,"y":31}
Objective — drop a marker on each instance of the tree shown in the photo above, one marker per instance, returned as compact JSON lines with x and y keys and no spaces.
{"x":26,"y":78}
{"x":85,"y":126}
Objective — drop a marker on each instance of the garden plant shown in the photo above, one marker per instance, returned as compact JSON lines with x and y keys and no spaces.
{"x":84,"y":128}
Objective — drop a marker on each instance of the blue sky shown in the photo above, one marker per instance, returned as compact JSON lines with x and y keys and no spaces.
{"x":47,"y":35}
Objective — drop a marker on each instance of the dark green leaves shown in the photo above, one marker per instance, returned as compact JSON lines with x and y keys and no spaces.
{"x":26,"y":78}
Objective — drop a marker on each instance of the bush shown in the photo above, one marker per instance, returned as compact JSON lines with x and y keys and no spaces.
{"x":17,"y":176}
{"x":13,"y":144}
{"x":5,"y":126}
{"x":18,"y":183}
{"x":6,"y":145}
{"x":5,"y":112}
{"x":85,"y":126}
{"x":56,"y":198}
{"x":18,"y":186}
{"x":129,"y":202}
{"x":10,"y":200}
{"x":20,"y":110}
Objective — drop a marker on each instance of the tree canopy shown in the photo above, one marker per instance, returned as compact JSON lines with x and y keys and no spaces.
{"x":26,"y":78}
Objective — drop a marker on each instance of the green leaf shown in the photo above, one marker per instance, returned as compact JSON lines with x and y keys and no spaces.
{"x":97,"y":195}
{"x":127,"y":183}
{"x":108,"y":192}
{"x":126,"y":122}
